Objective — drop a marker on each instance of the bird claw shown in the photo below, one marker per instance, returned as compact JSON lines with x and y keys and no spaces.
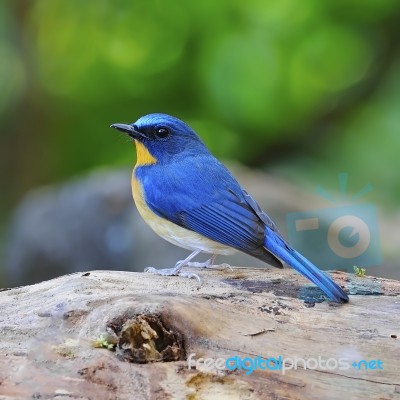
{"x":208,"y":264}
{"x":189,"y":275}
{"x":205,"y":264}
{"x":225,"y":266}
{"x":172,"y":272}
{"x":163,"y":271}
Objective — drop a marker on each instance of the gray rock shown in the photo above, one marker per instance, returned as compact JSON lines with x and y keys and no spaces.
{"x":87,"y":223}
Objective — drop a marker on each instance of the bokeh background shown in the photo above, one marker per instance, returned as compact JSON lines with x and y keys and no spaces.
{"x":302,"y":90}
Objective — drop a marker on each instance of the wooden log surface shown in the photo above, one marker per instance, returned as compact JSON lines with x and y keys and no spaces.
{"x":152,"y":324}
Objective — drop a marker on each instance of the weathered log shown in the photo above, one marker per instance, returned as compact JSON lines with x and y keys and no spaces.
{"x":153,"y":325}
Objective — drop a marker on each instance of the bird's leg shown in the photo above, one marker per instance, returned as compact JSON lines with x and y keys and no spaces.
{"x":207,"y":264}
{"x":177,"y":269}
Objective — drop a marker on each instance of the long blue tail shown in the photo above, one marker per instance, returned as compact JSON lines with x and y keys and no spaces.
{"x":277,"y":246}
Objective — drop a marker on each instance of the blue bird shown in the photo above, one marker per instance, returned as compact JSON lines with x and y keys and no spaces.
{"x":192,"y":200}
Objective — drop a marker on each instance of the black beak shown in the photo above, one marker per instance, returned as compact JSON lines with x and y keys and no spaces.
{"x":128,"y":129}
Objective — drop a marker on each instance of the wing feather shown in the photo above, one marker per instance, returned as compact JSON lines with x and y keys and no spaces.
{"x":214,"y":206}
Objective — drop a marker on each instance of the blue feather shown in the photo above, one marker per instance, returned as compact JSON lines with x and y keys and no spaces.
{"x":277,"y":246}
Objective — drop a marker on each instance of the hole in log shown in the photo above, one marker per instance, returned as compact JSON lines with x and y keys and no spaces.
{"x":145,"y":338}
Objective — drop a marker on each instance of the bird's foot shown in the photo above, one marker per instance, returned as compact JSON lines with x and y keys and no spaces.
{"x":172,"y":272}
{"x":208,"y":264}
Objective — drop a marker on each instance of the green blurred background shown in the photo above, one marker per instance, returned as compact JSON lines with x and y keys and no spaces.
{"x":305,"y":89}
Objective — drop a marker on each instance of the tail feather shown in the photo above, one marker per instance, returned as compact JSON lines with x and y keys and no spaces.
{"x":277,"y":246}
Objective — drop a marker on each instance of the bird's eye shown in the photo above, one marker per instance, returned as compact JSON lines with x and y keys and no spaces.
{"x":162,"y":133}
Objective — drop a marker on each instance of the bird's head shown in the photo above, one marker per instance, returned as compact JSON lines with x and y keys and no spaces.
{"x":164,"y":137}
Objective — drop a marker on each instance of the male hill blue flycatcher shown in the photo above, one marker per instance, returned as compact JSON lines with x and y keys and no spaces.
{"x":190,"y":199}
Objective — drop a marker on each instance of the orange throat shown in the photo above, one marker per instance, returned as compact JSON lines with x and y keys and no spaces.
{"x":143,"y":156}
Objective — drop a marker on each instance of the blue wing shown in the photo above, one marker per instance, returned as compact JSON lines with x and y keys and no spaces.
{"x":200,"y":194}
